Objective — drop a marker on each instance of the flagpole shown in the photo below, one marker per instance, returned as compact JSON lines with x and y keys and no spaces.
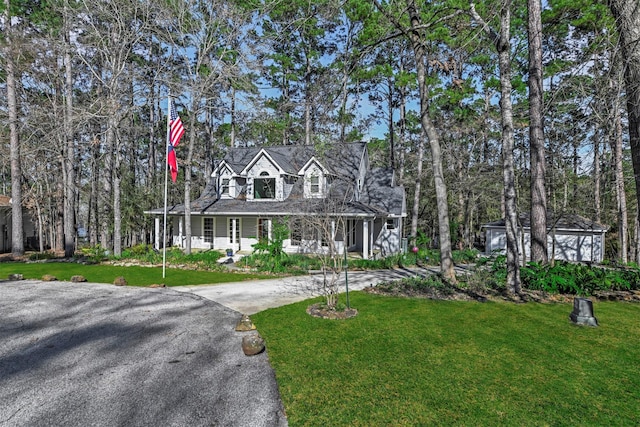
{"x":166,"y":175}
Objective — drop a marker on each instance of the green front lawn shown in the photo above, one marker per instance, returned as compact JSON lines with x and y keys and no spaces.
{"x":135,"y":276}
{"x":411,"y":362}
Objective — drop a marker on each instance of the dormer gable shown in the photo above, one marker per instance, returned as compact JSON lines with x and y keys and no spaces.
{"x":223,"y":169}
{"x":265,"y":178}
{"x":315,"y":177}
{"x":226,"y":181}
{"x":260,"y":163}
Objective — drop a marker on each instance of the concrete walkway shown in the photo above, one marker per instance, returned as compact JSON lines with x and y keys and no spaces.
{"x":257,"y":295}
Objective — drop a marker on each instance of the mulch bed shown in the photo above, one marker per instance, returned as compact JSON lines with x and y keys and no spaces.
{"x":318,"y":310}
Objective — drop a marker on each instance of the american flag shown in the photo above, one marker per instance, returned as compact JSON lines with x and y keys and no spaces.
{"x":176,"y":130}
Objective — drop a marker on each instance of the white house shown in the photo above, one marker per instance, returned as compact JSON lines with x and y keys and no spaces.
{"x":570,"y":237}
{"x":253,"y":187}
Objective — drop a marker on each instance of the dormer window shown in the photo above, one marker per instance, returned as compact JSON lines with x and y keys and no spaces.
{"x":264,"y":187}
{"x":314,"y":184}
{"x":224,"y":187}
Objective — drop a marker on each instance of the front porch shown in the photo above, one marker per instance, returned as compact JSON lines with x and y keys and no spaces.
{"x":367,"y":237}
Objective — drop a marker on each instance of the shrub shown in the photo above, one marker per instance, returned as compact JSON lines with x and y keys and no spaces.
{"x":482,"y":280}
{"x":207,"y":260}
{"x":274,"y":246}
{"x":578,"y":279}
{"x":38,"y":256}
{"x":419,"y":285}
{"x":376,"y":264}
{"x":95,"y":253}
{"x":137,"y":251}
{"x":285,"y":263}
{"x":465,"y":256}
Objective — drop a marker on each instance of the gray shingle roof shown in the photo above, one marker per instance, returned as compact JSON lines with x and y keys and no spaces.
{"x":339,"y":159}
{"x":379,"y":197}
{"x":378,"y":191}
{"x":562,"y":222}
{"x":268,"y":208}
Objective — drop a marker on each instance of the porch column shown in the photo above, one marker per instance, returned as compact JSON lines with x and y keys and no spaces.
{"x":234,"y":229}
{"x":180,"y":228}
{"x":333,"y":230}
{"x":371,"y":238}
{"x":365,"y":239}
{"x":156,"y":237}
{"x":334,"y":236}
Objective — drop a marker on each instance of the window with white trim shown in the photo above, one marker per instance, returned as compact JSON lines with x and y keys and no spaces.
{"x":208,"y":230}
{"x":234,"y":230}
{"x":224,"y":187}
{"x":314,"y":184}
{"x":264,"y":187}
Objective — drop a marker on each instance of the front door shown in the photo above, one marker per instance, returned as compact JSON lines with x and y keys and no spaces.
{"x":234,"y":233}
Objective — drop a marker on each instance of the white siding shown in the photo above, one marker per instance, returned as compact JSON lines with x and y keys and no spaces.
{"x":263,"y":164}
{"x":388,"y":241}
{"x":314,"y":170}
{"x":569,"y":246}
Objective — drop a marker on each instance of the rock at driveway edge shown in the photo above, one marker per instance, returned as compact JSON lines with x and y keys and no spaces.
{"x":120,"y":281}
{"x":252,"y":344}
{"x":245,"y":324}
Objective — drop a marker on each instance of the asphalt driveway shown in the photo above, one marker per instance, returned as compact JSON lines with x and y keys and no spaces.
{"x":83,"y":354}
{"x":91,"y":354}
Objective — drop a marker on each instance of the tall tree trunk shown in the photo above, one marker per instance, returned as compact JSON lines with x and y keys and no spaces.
{"x":211,"y":142}
{"x":59,"y":244}
{"x":70,"y":155}
{"x":415,"y":212}
{"x":596,"y":176}
{"x":93,"y":215}
{"x":392,"y":132}
{"x":187,"y":179}
{"x":106,"y":211}
{"x":503,"y":45}
{"x":637,"y":237}
{"x":536,"y":135}
{"x":463,"y":196}
{"x":151,"y":159}
{"x":232,"y":135}
{"x":446,"y":258}
{"x":307,"y":103}
{"x":117,"y":207}
{"x":616,"y":150}
{"x":485,"y":129}
{"x":17,"y":227}
{"x":627,"y":15}
{"x":40,"y":217}
{"x":344,"y":98}
{"x":286,"y":114}
{"x":402,"y":132}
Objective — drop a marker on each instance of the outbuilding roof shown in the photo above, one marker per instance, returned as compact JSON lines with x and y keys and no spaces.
{"x":564,"y":221}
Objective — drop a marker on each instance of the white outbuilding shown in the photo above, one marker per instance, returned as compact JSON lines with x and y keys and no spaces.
{"x":570,"y":237}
